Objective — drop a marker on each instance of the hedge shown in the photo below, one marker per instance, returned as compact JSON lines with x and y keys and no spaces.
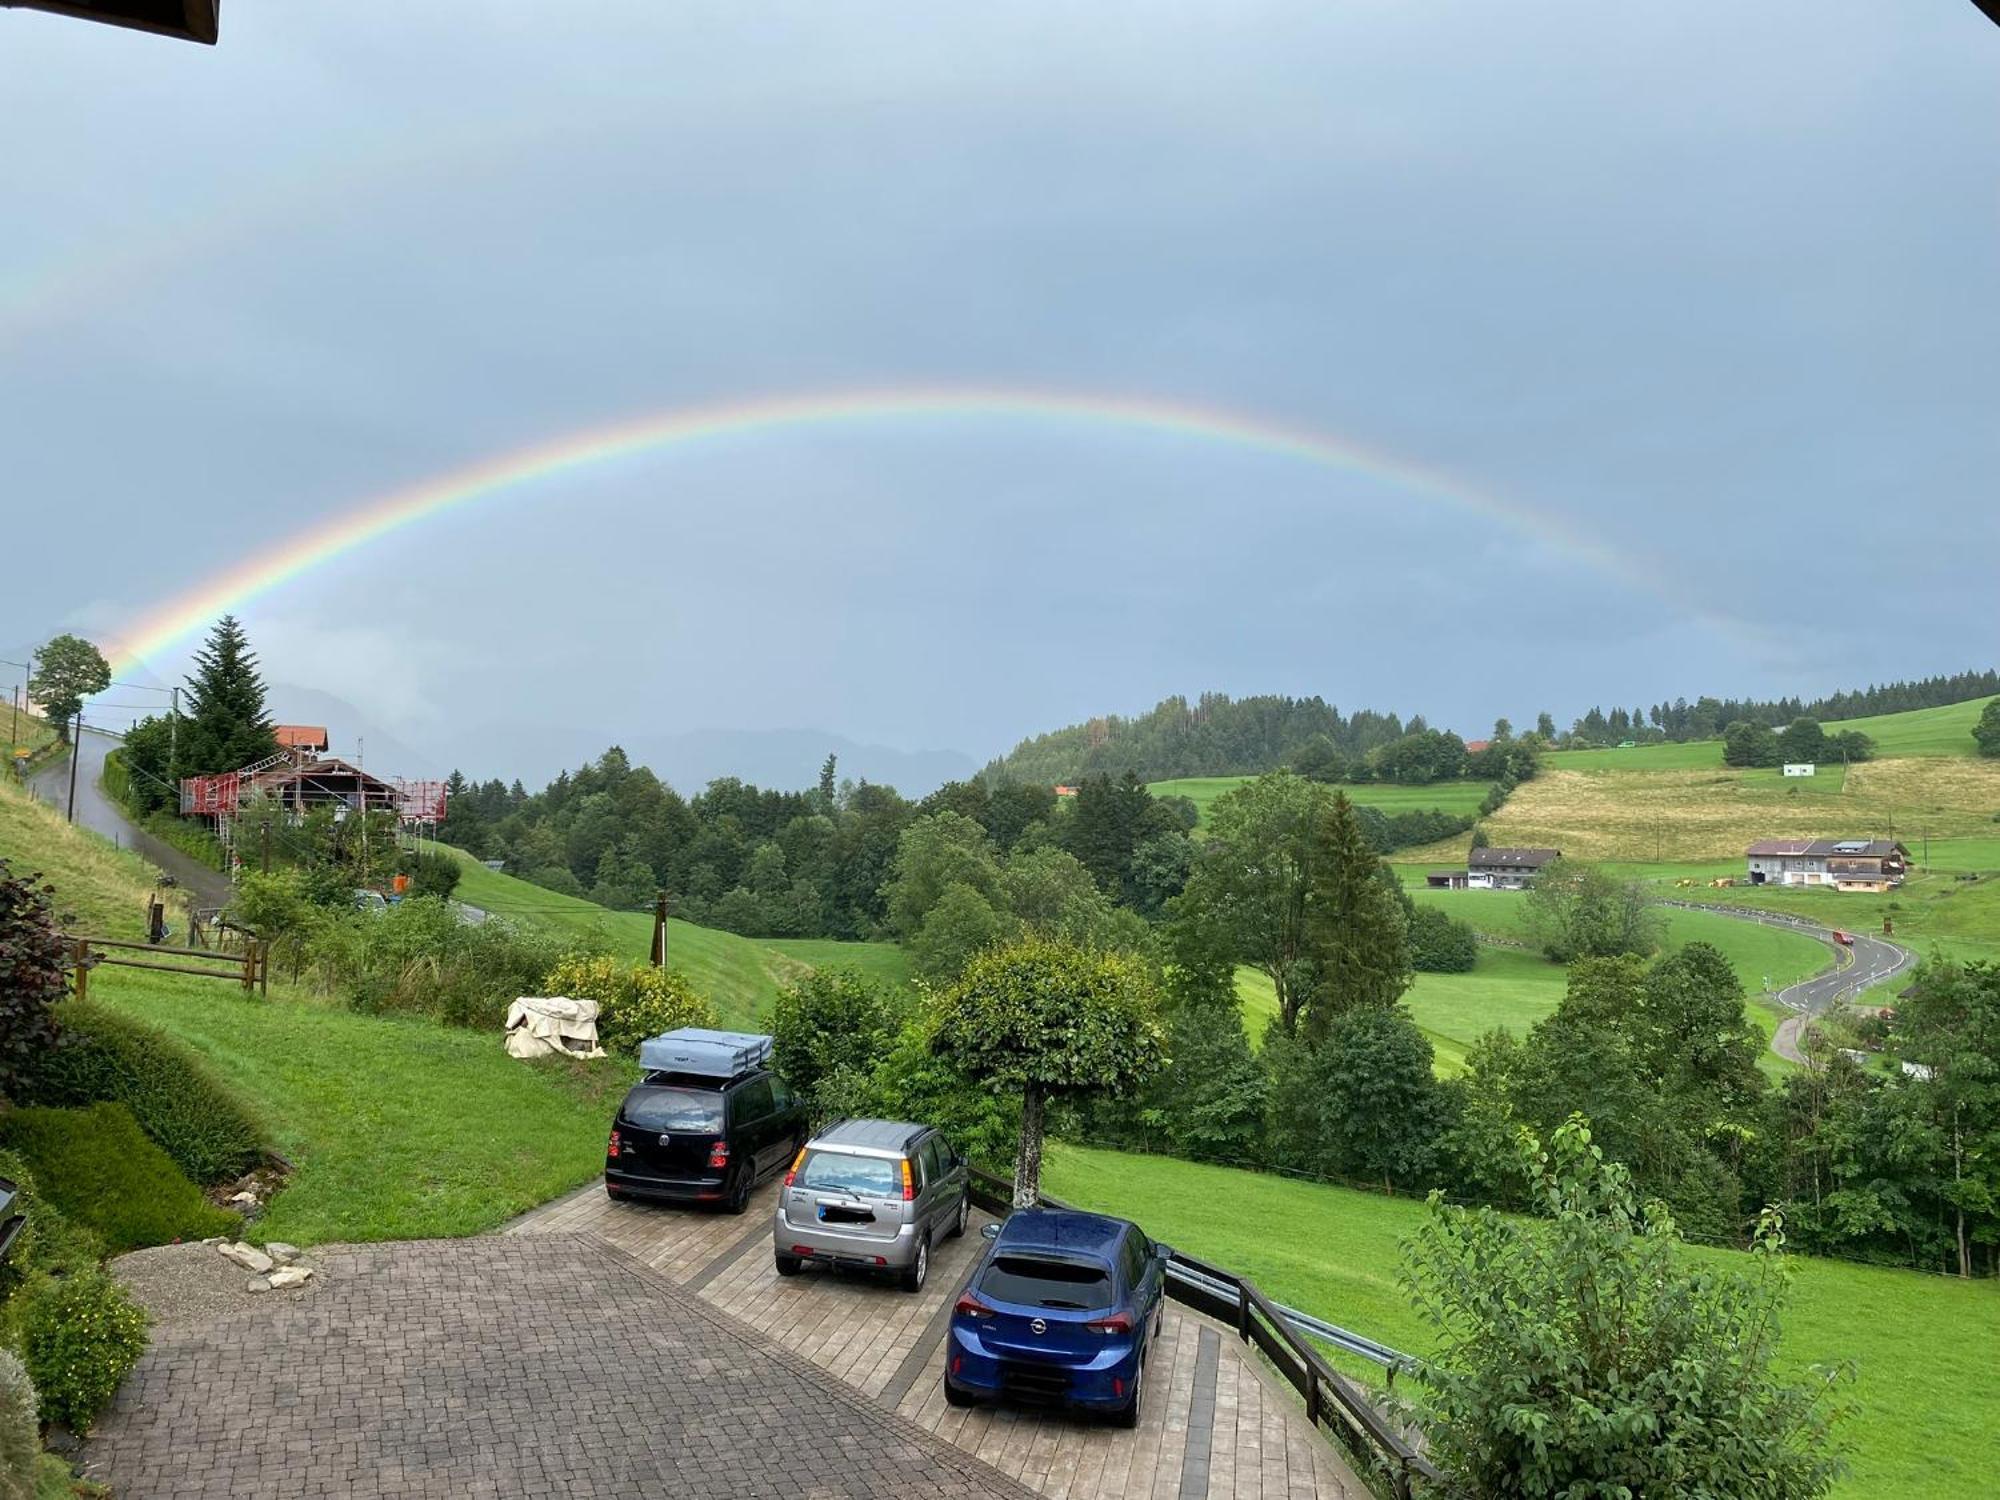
{"x":48,"y":1241}
{"x":98,"y":1168}
{"x":20,"y":1444}
{"x":186,"y":1110}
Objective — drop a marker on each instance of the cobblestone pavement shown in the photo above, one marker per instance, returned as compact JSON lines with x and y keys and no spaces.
{"x":547,"y":1365}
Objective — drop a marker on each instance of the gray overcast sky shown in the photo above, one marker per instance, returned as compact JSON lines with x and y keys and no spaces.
{"x":1715,"y":286}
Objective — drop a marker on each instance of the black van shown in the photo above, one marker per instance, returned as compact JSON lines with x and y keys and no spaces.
{"x":690,"y":1138}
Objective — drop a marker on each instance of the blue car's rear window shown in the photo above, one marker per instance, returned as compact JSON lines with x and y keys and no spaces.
{"x":1036,"y":1282}
{"x":666,"y":1109}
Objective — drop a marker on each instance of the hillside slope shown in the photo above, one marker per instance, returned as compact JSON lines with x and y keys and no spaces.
{"x":739,"y":975}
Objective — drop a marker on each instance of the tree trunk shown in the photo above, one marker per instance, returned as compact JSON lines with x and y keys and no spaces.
{"x":1028,"y":1164}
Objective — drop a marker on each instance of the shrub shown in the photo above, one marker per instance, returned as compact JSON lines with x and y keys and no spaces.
{"x":79,"y":1336}
{"x":634,"y":1001}
{"x":187,"y":1111}
{"x":430,"y":874}
{"x":97,"y":1167}
{"x":833,"y":1019}
{"x":419,"y":958}
{"x":1440,"y":944}
{"x":20,"y":1445}
{"x":1589,"y":1356}
{"x":48,"y":1241}
{"x":34,"y":975}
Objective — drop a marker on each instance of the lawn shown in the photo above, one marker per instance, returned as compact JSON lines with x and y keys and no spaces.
{"x":739,"y":975}
{"x":100,"y":888}
{"x":1921,"y":1345}
{"x":1922,"y":731}
{"x":1462,"y":797}
{"x":398,"y":1129}
{"x":28,"y":732}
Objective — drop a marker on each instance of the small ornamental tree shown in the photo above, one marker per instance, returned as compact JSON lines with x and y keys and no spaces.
{"x":1986,"y":733}
{"x":1588,"y":1357}
{"x":34,"y":975}
{"x":67,"y":670}
{"x":1044,"y":1019}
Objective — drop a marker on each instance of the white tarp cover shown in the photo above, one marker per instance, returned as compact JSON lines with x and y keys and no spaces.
{"x":540,"y":1026}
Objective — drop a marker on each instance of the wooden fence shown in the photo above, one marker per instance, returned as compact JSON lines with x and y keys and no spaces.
{"x":1332,"y":1400}
{"x":250,"y":968}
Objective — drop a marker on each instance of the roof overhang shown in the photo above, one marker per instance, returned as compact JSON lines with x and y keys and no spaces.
{"x":190,"y":20}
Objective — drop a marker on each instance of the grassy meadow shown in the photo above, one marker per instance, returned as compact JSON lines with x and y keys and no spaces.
{"x":1929,"y":1419}
{"x":1462,"y":797}
{"x":739,"y":975}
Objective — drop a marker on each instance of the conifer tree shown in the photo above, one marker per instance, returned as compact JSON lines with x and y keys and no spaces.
{"x":226,"y":724}
{"x":1354,"y":919}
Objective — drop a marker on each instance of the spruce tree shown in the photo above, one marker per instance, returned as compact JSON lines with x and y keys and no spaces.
{"x":226,"y":724}
{"x":1354,"y":920}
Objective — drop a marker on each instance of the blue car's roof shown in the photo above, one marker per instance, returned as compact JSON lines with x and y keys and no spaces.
{"x":1061,"y":1229}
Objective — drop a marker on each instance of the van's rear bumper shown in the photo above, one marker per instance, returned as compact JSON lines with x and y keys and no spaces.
{"x":625,"y":1184}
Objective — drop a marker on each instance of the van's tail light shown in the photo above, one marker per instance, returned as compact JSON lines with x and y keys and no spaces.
{"x":798,"y":1161}
{"x":1115,"y":1324}
{"x":611,"y":1147}
{"x":969,"y":1306}
{"x":909,"y":1182}
{"x":718,"y":1155}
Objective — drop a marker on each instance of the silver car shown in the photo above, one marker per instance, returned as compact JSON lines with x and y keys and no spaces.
{"x":873,"y":1194}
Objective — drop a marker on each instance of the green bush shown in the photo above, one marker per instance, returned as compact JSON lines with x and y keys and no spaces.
{"x":832,"y":1020}
{"x":419,"y":958}
{"x":79,"y":1336}
{"x":430,"y":874}
{"x":634,"y":1001}
{"x":187,"y":1111}
{"x":1440,"y":944}
{"x":48,"y":1241}
{"x":98,"y":1168}
{"x":20,"y":1447}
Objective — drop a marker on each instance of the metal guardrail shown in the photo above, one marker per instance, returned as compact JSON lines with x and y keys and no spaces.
{"x":1284,"y":1335}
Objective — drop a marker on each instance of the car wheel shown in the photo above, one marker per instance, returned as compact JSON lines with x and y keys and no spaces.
{"x":964,"y":1218}
{"x":953,"y":1396}
{"x":738,"y":1192}
{"x":788,"y":1265}
{"x":920,"y":1268}
{"x":1128,"y":1414}
{"x":616,"y":1195}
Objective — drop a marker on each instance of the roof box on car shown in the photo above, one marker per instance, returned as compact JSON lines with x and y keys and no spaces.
{"x":696,"y":1049}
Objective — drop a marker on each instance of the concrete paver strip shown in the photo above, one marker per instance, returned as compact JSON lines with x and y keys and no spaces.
{"x":506,"y":1366}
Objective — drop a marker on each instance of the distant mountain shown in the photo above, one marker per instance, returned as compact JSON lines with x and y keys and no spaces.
{"x":787,"y":759}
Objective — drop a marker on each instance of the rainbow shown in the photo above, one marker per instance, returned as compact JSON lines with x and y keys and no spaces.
{"x":228,"y":592}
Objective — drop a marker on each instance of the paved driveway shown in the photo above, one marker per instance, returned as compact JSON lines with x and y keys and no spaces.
{"x":549,"y":1365}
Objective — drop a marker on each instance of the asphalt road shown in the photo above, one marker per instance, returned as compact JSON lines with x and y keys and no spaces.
{"x":1868,"y":962}
{"x":96,"y":811}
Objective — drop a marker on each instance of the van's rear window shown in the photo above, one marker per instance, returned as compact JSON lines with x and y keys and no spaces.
{"x":674,"y":1109}
{"x":836,"y":1170}
{"x":1046,"y":1283}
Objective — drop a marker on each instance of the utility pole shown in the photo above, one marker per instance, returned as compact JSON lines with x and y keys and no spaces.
{"x":660,"y":930}
{"x":75,"y":754}
{"x":267,"y":842}
{"x":174,"y":737}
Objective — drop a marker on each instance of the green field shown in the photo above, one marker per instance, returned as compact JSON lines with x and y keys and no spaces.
{"x":1462,"y":797}
{"x":739,"y":975}
{"x":1929,"y":1423}
{"x":1920,"y":731}
{"x":1512,"y":989}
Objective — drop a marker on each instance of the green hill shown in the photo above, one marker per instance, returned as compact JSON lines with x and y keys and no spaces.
{"x":739,"y":975}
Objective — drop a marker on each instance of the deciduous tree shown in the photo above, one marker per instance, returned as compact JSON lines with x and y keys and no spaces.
{"x":1044,"y":1019}
{"x":67,"y":670}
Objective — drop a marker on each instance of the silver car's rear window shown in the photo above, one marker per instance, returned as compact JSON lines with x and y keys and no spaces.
{"x":836,"y":1171}
{"x":1046,"y":1283}
{"x":669,"y":1109}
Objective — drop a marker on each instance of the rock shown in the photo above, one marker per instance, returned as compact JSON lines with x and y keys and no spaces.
{"x":289,"y":1276}
{"x":249,"y":1257}
{"x":257,"y":1284}
{"x":216,"y":1239}
{"x":282,"y":1253}
{"x":244,"y":1198}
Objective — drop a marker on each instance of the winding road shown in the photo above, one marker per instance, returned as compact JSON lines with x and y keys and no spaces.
{"x":1868,"y":962}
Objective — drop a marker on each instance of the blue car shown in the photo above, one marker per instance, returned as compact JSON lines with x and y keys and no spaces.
{"x":1062,"y":1309}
